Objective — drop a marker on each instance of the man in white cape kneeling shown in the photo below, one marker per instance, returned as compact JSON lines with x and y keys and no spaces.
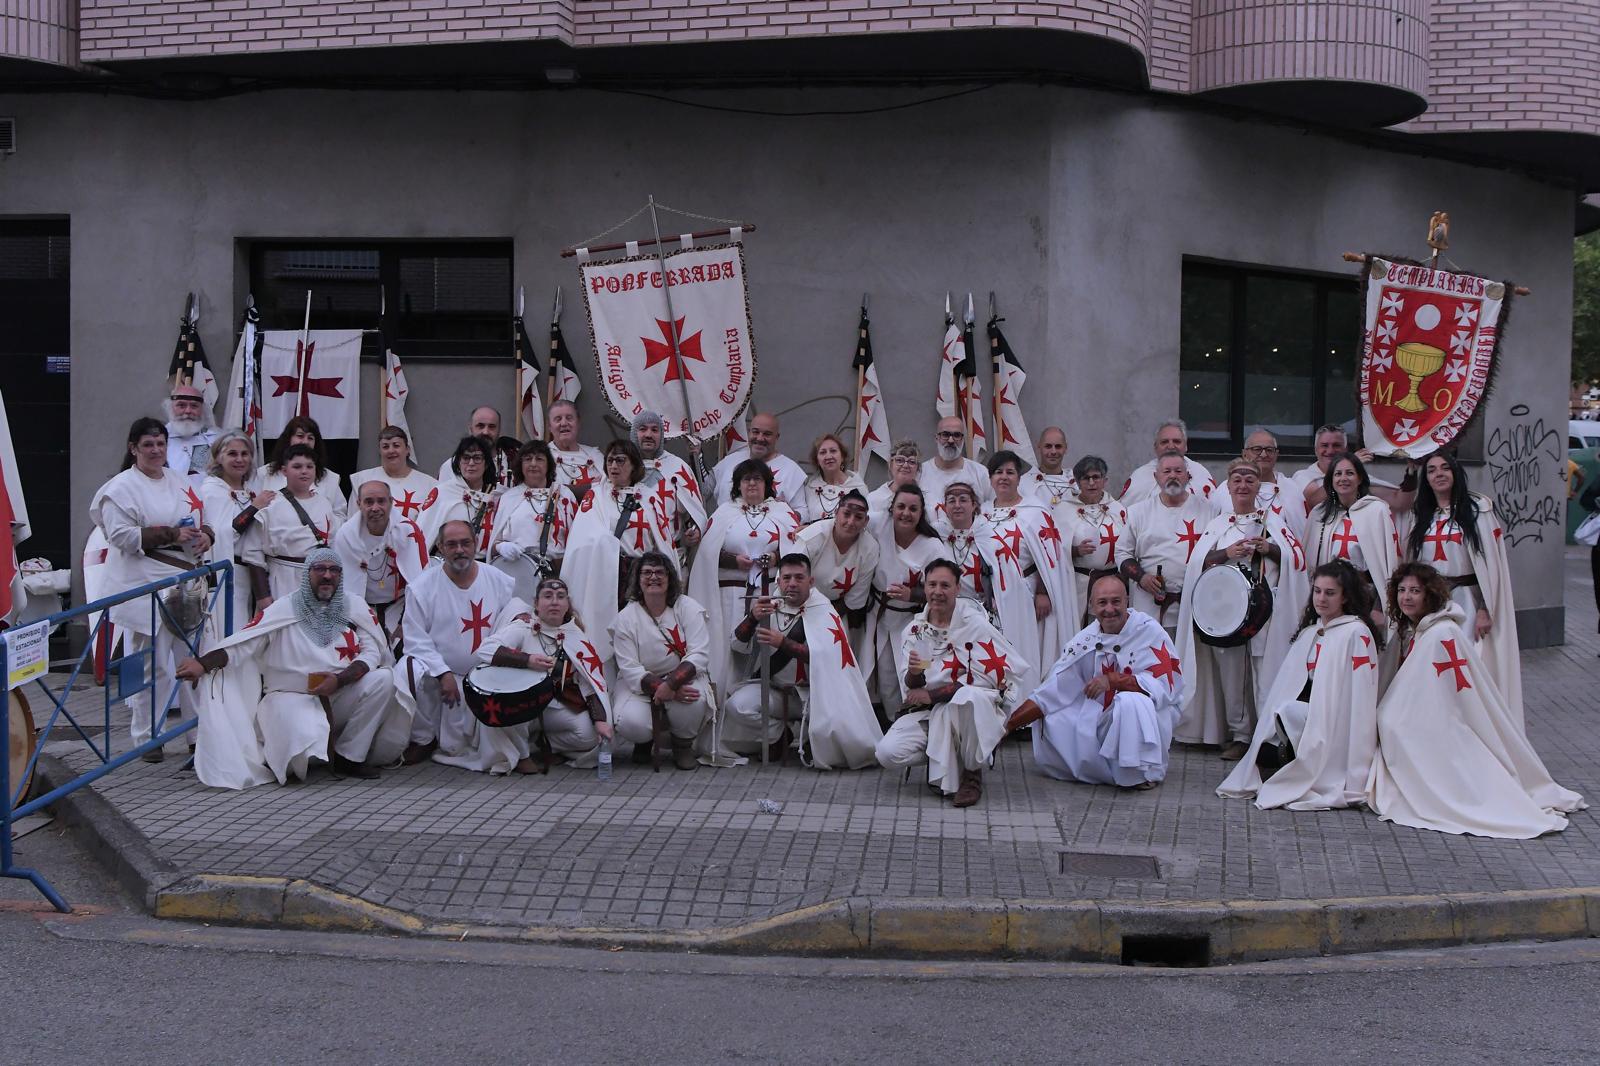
{"x":311,"y":667}
{"x":811,"y":657}
{"x":1106,"y":712}
{"x":960,"y":679}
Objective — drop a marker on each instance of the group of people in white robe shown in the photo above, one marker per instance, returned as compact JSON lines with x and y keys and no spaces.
{"x":793,"y":614}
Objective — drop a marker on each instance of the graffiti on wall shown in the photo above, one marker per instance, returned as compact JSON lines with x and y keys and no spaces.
{"x":1525,"y":466}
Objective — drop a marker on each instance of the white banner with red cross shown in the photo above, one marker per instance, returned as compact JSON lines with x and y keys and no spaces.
{"x":327,"y":362}
{"x":1428,"y":352}
{"x":700,"y":389}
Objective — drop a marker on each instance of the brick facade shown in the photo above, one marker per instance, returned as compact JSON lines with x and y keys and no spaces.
{"x":41,"y":30}
{"x":1237,"y":42}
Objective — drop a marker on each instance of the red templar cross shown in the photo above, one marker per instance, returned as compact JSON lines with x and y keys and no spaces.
{"x":477,"y":624}
{"x":349,"y":649}
{"x":1454,"y":661}
{"x":1188,"y":538}
{"x":1439,"y":538}
{"x":1344,"y":538}
{"x":658,"y":352}
{"x":282,"y":383}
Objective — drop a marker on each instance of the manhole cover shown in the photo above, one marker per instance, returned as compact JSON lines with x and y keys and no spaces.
{"x":1099,"y":864}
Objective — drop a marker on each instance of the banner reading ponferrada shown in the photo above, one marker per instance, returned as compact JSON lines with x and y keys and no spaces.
{"x":715,"y":367}
{"x":1429,"y":348}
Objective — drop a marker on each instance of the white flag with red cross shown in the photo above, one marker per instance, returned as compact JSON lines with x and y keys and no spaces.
{"x":327,"y":363}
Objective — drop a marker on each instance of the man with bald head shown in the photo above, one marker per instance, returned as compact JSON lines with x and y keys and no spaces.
{"x":1050,"y":482}
{"x":382,"y":553}
{"x":949,"y":464}
{"x":1172,"y":438}
{"x":788,"y":480}
{"x":485,"y":422}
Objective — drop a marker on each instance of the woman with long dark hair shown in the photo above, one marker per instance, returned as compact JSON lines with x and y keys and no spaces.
{"x":531,"y":521}
{"x":1452,"y":753}
{"x":1356,"y":526}
{"x":1457,"y":532}
{"x":1318,"y":730}
{"x":470,"y":493}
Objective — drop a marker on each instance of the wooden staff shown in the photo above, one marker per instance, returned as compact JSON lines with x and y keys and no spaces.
{"x":1357,"y":257}
{"x":383,"y":365}
{"x":304,"y":404}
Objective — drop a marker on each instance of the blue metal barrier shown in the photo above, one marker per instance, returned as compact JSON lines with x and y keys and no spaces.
{"x":126,"y":676}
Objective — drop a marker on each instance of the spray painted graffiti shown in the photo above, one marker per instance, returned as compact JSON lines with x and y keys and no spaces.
{"x":1525,"y":465}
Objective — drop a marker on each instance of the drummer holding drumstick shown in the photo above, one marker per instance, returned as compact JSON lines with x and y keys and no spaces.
{"x":1225,"y":683}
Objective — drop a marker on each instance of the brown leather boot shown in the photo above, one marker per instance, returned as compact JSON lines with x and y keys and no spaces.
{"x":683,"y":756}
{"x":971,"y":790}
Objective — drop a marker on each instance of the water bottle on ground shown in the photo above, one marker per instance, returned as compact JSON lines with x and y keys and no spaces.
{"x":603,"y":768}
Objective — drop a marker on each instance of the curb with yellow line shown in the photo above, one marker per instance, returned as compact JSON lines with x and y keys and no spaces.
{"x":1199,"y":932}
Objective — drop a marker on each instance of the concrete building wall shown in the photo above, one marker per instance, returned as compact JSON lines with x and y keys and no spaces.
{"x":1077,"y":208}
{"x":44,"y":31}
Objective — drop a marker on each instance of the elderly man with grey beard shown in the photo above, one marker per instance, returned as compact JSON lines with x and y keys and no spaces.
{"x":648,"y":434}
{"x":1153,"y":554}
{"x":191,"y":430}
{"x":307,"y":679}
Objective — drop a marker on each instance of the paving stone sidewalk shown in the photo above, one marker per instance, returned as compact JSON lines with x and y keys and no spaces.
{"x":680,"y":850}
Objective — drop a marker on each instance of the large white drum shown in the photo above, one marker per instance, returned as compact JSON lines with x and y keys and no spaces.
{"x":1229,"y":606}
{"x":507,"y":695}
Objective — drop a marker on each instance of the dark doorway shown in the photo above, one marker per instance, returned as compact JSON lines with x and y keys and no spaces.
{"x":36,"y":368}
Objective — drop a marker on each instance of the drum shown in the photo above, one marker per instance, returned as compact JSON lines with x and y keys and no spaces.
{"x":525,"y":572}
{"x":502,"y":696}
{"x":1229,"y":606}
{"x":19,"y":744}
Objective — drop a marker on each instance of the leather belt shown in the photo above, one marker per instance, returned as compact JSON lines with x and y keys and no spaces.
{"x":1464,"y":581}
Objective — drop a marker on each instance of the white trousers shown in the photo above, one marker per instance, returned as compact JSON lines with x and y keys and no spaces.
{"x":368,"y":723}
{"x":744,"y":730}
{"x":1238,"y":673}
{"x":633,"y":722}
{"x":168,"y":649}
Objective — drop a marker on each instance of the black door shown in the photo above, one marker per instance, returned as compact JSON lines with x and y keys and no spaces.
{"x":35,"y":372}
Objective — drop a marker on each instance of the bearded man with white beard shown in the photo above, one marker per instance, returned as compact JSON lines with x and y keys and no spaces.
{"x":949,"y":464}
{"x":1162,"y":532}
{"x":191,"y":430}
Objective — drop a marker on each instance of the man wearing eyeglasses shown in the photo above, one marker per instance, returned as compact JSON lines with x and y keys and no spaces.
{"x":1277,"y":493}
{"x":949,"y":463}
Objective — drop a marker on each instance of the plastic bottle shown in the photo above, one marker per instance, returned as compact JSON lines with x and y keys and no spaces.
{"x":603,"y":769}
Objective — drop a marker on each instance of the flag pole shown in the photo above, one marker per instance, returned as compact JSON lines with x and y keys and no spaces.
{"x":383,"y":364}
{"x":672,"y":324}
{"x":516,"y":355}
{"x":861,"y":383}
{"x":305,"y":363}
{"x":965,"y":389}
{"x":994,"y":367}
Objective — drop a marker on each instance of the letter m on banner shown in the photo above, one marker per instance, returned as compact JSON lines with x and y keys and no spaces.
{"x":700,"y":388}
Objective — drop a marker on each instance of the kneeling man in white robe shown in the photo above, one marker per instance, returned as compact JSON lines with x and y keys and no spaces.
{"x":1106,"y":712}
{"x":812,"y":663}
{"x":312,"y":666}
{"x":960,"y":679}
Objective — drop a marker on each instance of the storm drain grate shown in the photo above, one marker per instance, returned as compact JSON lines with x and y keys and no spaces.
{"x":1100,"y":864}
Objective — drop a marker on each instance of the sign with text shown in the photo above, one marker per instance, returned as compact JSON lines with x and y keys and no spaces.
{"x":700,"y":388}
{"x":27,"y":653}
{"x":1429,"y":343}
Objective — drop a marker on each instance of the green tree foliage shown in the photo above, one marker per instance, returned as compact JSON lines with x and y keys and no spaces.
{"x":1586,"y":309}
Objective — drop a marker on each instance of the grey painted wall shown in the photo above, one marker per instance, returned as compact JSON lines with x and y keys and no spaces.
{"x":1077,"y":207}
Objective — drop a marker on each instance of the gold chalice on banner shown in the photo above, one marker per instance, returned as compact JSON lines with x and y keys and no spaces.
{"x":1418,"y":361}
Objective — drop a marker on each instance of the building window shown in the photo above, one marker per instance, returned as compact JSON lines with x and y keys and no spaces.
{"x":1265,"y":348}
{"x":433,"y":300}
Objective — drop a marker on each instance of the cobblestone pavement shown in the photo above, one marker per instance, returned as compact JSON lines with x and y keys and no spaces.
{"x":691,"y":850}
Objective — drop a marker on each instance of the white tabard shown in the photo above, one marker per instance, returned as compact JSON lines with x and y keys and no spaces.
{"x":1049,"y":489}
{"x":682,"y":485}
{"x":934,"y":479}
{"x":1285,"y":495}
{"x":122,"y":507}
{"x":1452,"y":754}
{"x":1334,"y":734}
{"x":595,"y":554}
{"x":327,"y":487}
{"x":578,"y":469}
{"x":1364,"y":536}
{"x":1141,"y":484}
{"x":282,"y":540}
{"x":887,"y":618}
{"x":961,"y":733}
{"x":221,"y":505}
{"x":768,"y":529}
{"x":788,"y":480}
{"x":413,"y":492}
{"x":377,"y":568}
{"x":644,"y":644}
{"x":520,"y":518}
{"x":1120,"y":738}
{"x":1220,"y":700}
{"x":973,"y":551}
{"x":568,"y":726}
{"x":822,"y":499}
{"x":845,"y":578}
{"x":1103,"y":523}
{"x":444,"y":627}
{"x":1028,"y":558}
{"x":1303,"y":479}
{"x":1445,"y":549}
{"x":458,"y":502}
{"x":1164,"y":537}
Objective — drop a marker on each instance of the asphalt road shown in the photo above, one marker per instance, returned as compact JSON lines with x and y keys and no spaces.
{"x":114,"y":986}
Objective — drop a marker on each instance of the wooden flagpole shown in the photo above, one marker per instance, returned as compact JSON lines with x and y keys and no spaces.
{"x":516,"y":353}
{"x":383,"y":363}
{"x":995,"y":379}
{"x":672,"y":324}
{"x":302,"y":402}
{"x":861,"y":384}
